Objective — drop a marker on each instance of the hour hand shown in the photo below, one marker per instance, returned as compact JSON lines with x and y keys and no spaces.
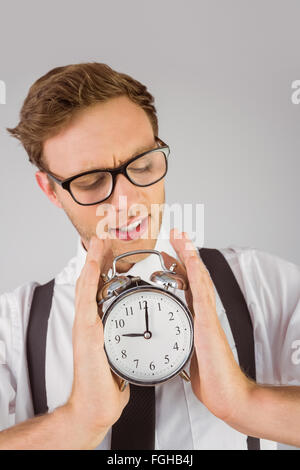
{"x":133,"y":334}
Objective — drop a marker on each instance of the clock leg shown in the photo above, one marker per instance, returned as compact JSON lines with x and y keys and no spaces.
{"x":123,"y":385}
{"x":185,"y":375}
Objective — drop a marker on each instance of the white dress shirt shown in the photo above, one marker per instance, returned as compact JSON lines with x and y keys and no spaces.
{"x":271,"y":287}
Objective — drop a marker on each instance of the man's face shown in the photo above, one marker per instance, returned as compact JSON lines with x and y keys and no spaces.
{"x":105,"y":136}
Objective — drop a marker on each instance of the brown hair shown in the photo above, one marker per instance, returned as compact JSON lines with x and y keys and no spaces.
{"x":55,"y":97}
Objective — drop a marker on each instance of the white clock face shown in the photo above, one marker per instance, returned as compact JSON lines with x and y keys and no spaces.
{"x":150,"y":354}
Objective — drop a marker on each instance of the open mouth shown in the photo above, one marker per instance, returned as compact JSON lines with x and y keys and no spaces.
{"x":131,"y":231}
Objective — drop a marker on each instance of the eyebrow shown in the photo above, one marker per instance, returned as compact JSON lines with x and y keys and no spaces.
{"x":139,"y":150}
{"x":143,"y":149}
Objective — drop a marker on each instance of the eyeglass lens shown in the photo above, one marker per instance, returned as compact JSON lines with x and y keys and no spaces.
{"x":95,"y":187}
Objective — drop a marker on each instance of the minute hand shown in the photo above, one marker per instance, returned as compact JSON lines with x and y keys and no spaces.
{"x":146,"y":317}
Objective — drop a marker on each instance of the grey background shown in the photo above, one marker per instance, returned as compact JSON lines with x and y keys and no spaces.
{"x":221,"y":73}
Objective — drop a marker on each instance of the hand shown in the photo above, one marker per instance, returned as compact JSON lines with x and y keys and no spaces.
{"x":95,"y":398}
{"x":216,"y":378}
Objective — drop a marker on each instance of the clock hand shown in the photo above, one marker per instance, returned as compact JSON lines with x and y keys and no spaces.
{"x":133,"y":334}
{"x":146,"y":335}
{"x":146,"y":316}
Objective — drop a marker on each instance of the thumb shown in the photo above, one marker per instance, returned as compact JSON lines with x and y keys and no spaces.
{"x":87,"y":285}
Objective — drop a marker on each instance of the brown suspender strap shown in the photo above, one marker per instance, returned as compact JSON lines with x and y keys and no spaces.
{"x":36,"y":345}
{"x":237,"y":313}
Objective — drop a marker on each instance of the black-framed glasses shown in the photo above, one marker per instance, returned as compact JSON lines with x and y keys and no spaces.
{"x":95,"y":186}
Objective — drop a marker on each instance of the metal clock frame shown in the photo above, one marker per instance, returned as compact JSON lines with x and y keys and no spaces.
{"x":144,"y":288}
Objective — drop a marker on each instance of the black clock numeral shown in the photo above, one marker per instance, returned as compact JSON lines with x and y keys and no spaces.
{"x":171,"y":316}
{"x":142,"y":302}
{"x":167,"y":359}
{"x":124,"y":354}
{"x":137,"y":362}
{"x":131,"y":311}
{"x":159,"y":306}
{"x":175,"y":346}
{"x":120,"y":323}
{"x":152,"y":365}
{"x":178,"y":329}
{"x":117,"y":338}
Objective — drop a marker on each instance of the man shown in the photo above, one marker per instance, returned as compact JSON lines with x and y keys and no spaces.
{"x":79,"y":124}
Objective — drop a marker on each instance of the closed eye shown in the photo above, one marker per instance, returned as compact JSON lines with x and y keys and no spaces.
{"x":87,"y":182}
{"x":141,"y":169}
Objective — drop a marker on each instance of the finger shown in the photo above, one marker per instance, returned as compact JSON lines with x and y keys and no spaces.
{"x":186,"y":249}
{"x":87,"y":284}
{"x":94,"y":253}
{"x":106,"y":265}
{"x":99,"y":251}
{"x":199,"y":279}
{"x":182,"y":245}
{"x":175,"y":237}
{"x":93,"y":257}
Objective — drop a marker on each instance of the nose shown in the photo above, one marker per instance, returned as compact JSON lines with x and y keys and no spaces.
{"x":124,"y":194}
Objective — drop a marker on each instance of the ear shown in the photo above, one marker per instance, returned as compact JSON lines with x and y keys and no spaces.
{"x":47,"y":188}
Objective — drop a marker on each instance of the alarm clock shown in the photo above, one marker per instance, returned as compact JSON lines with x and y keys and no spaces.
{"x":148,"y":330}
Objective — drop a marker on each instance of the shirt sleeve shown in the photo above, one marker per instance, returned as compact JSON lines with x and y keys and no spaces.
{"x":7,"y":375}
{"x":271,"y":286}
{"x":14,"y":308}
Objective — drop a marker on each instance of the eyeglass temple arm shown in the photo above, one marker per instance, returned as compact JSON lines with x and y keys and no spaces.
{"x":160,"y":141}
{"x":53,"y":177}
